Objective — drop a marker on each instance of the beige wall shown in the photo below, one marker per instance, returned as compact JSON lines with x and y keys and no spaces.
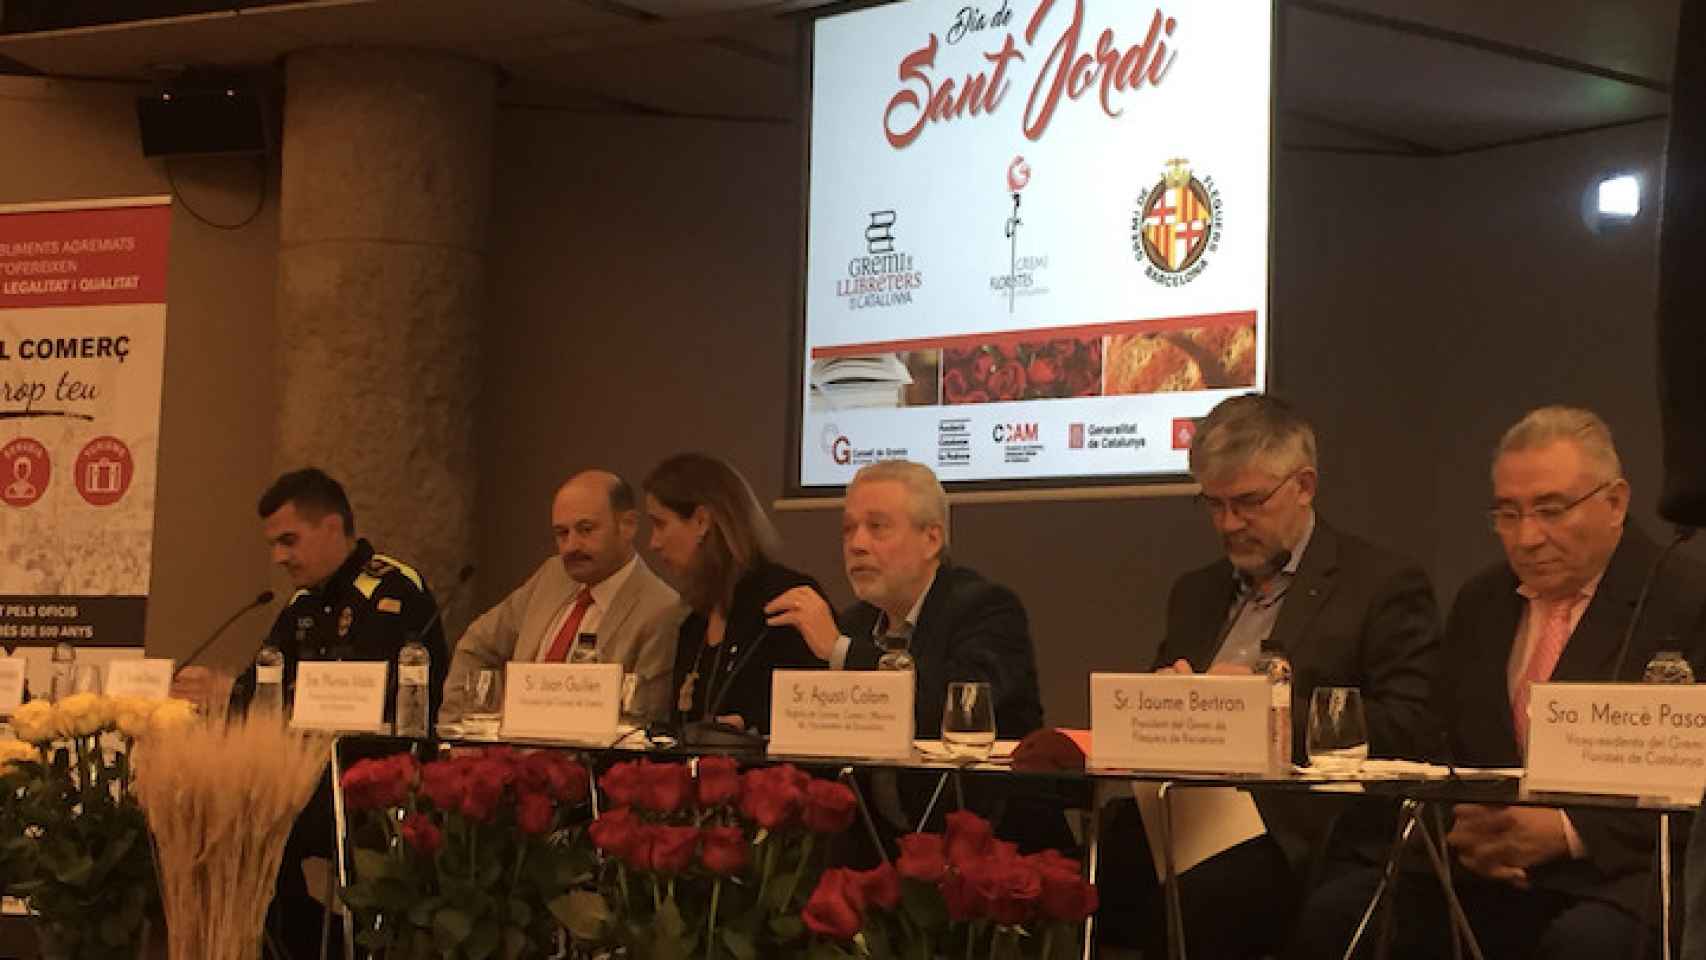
{"x":69,"y":141}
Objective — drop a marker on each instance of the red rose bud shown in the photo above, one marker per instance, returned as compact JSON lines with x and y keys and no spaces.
{"x":534,"y":813}
{"x":444,"y":783}
{"x":1051,"y":862}
{"x":719,"y":781}
{"x":622,"y":783}
{"x":969,"y":837}
{"x":1010,"y":890}
{"x":771,"y":796}
{"x":664,"y":787}
{"x":673,"y":848}
{"x":554,"y":774}
{"x":982,"y":365}
{"x":922,"y":857}
{"x":880,"y":887}
{"x":481,"y":796}
{"x":953,"y":386}
{"x":421,"y":834}
{"x":1007,"y":382}
{"x":616,"y":832}
{"x":1067,"y":897}
{"x":834,"y":909}
{"x":829,"y":807}
{"x":961,"y":900}
{"x":1042,"y":372}
{"x":373,"y":785}
{"x":724,"y":850}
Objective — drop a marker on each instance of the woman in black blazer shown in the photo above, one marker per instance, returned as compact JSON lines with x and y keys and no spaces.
{"x":710,"y":533}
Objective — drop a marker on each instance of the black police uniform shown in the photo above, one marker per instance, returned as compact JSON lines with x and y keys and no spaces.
{"x":366,"y":610}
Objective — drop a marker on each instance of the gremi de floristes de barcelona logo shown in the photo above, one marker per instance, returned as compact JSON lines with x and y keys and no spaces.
{"x":1176,"y":225}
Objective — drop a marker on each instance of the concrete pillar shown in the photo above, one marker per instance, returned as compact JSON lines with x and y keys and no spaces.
{"x":385,"y":199}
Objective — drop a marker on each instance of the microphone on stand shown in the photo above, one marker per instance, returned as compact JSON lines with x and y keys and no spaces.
{"x":462,"y":577}
{"x":1683,"y":535}
{"x":261,"y":600}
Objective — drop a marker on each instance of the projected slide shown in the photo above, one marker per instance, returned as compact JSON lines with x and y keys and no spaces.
{"x":1038,"y":235}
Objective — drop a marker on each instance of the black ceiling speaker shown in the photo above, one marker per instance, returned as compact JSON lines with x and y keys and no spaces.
{"x":202,"y":120}
{"x":1682,"y":281}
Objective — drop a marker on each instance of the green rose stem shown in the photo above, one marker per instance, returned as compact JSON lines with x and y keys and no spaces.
{"x":799,"y":870}
{"x":657,"y":895}
{"x":1048,"y":941}
{"x":769,"y":863}
{"x":711,"y":924}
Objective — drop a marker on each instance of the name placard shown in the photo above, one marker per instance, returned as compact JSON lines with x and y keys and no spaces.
{"x":149,"y":677}
{"x":12,"y":671}
{"x":842,"y":713}
{"x":1197,"y":723}
{"x":341,"y":695}
{"x":1624,"y":739}
{"x":572,"y":702}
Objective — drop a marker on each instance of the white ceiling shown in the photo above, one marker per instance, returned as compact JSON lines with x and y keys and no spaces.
{"x":1400,"y":76}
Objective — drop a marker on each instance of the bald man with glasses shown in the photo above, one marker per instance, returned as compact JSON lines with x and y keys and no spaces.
{"x":1543,"y":882}
{"x":1347,"y":614}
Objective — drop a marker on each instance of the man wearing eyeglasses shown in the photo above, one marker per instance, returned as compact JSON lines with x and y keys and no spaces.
{"x":1346,"y":613}
{"x":1546,"y":882}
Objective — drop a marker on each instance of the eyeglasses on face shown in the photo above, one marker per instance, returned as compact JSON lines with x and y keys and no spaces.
{"x":1506,"y":518}
{"x":1244,"y":506}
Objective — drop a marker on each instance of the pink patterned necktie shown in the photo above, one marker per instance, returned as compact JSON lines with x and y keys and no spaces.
{"x":1548,"y":647}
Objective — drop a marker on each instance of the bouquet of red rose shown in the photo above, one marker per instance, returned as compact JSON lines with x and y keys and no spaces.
{"x":1040,"y":370}
{"x":469,"y":856}
{"x":705,"y":861}
{"x":960,"y":894}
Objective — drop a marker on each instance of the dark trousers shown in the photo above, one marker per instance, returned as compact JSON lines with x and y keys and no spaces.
{"x":1235,"y":905}
{"x":1509,"y":923}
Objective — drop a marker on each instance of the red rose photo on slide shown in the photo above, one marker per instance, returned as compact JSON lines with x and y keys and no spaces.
{"x":1022,"y":370}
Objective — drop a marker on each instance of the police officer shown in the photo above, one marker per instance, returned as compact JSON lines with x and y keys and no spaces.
{"x":351,"y":603}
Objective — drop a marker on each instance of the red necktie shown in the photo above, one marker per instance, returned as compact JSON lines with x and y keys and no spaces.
{"x":571,"y":628}
{"x":1548,"y":647}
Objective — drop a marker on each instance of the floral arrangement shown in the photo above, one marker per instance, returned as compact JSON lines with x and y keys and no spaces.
{"x":73,"y":840}
{"x":465,"y":857}
{"x":964,"y":893}
{"x":1024,"y":371}
{"x":220,"y":801}
{"x":707,"y":861}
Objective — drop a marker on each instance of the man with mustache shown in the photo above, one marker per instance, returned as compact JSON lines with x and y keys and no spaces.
{"x":1541,"y":882}
{"x":596,"y":601}
{"x":1345,"y":612}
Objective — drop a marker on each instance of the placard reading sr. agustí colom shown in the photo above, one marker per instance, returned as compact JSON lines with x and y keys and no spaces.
{"x":1038,"y":241}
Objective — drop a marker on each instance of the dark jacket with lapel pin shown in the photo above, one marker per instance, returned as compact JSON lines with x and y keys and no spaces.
{"x":1356,"y":615}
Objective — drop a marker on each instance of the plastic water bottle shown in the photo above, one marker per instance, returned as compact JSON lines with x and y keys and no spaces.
{"x":64,"y":671}
{"x":269,"y":678}
{"x":1277,"y":668}
{"x":1668,"y":666}
{"x":414,"y":665}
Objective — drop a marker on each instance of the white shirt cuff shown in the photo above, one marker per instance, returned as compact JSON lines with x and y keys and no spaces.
{"x":838,"y":656}
{"x":1578,"y":850}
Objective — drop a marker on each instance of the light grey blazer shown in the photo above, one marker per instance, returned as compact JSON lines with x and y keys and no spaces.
{"x":639,"y":631}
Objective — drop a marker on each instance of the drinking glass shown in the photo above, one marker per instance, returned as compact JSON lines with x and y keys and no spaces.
{"x":895,"y":656}
{"x":86,"y":678}
{"x":968,"y":721}
{"x":483,"y":703}
{"x":1338,"y":731}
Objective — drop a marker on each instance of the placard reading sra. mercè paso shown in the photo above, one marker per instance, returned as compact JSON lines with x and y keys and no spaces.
{"x":1038,"y":234}
{"x":1196,"y":723}
{"x":1623,"y":739}
{"x":842,"y":713}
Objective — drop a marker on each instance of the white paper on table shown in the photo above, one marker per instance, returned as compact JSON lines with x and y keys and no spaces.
{"x":1205,"y":821}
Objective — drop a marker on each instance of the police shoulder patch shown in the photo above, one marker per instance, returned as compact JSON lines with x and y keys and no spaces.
{"x":393,"y":565}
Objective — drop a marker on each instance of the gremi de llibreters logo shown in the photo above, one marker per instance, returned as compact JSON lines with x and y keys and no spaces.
{"x":1023,"y":272}
{"x":884,"y":275}
{"x":1176,"y":225}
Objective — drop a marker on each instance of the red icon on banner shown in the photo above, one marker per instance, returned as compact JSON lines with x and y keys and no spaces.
{"x":1075,"y":436}
{"x":103,"y":471}
{"x":1184,"y":431}
{"x":24,"y":472}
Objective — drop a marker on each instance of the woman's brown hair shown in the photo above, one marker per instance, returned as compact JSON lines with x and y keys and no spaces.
{"x":740,"y":536}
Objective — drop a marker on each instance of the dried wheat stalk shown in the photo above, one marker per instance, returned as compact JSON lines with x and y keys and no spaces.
{"x":220,"y":801}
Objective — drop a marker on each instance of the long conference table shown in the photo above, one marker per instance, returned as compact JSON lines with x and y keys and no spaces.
{"x":1416,"y":789}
